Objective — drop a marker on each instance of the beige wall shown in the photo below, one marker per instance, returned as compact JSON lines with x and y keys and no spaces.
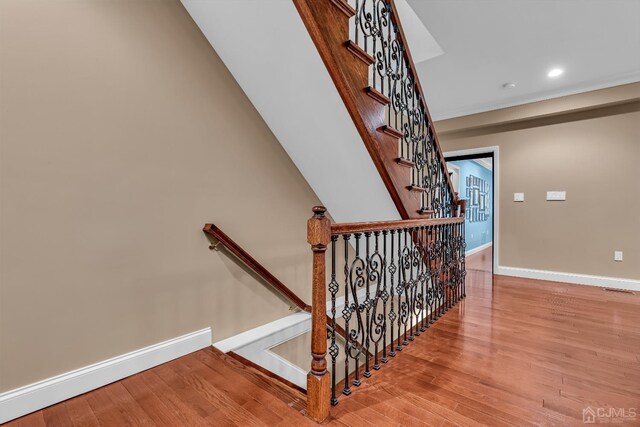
{"x":122,"y":133}
{"x":588,"y":145}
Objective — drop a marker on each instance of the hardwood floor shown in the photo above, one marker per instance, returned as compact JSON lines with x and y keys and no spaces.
{"x":481,"y":260}
{"x":514,"y":352}
{"x":205,"y":388}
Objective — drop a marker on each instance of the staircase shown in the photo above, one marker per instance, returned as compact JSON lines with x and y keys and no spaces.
{"x":364,"y":49}
{"x":387,"y":281}
{"x":396,"y":277}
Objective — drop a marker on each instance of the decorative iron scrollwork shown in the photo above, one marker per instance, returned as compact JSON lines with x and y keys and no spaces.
{"x":396,"y":283}
{"x":373,"y":28}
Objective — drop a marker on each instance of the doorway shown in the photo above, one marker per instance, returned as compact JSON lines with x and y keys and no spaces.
{"x":473,"y":178}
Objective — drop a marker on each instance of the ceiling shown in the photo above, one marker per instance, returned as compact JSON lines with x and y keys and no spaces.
{"x":492,"y":42}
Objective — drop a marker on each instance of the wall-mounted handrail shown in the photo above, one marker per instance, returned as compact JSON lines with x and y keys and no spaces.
{"x":255,"y":266}
{"x":262,"y":272}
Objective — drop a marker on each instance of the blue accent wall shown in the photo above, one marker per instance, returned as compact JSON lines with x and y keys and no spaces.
{"x":480,"y":231}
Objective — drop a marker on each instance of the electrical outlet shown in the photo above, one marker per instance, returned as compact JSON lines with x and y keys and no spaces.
{"x":518,"y":197}
{"x":556,"y":195}
{"x":617,"y":255}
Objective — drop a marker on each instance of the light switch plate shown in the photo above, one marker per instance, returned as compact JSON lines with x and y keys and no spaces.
{"x":556,"y":195}
{"x":518,"y":197}
{"x":617,"y":255}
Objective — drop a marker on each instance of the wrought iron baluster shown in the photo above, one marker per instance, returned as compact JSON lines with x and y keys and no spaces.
{"x":412,"y":117}
{"x":461,"y":260}
{"x":399,"y":290}
{"x":356,"y":336}
{"x":455,"y":250}
{"x":441,"y":272}
{"x":392,"y":271}
{"x":346,"y":314}
{"x":424,"y":277}
{"x":417,"y":294}
{"x":406,"y":266}
{"x":433,"y":268}
{"x":385,"y":296}
{"x":436,"y":272}
{"x":367,"y":308}
{"x":388,"y":49}
{"x":445,"y":269}
{"x":453,"y":264}
{"x":357,"y":23}
{"x":412,"y":284}
{"x":333,"y":348}
{"x":464,"y":255}
{"x":377,"y":320}
{"x":430,"y":283}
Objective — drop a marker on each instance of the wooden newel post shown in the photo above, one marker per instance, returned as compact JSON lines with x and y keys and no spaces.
{"x":463,"y":206}
{"x":455,"y":205}
{"x":318,"y":382}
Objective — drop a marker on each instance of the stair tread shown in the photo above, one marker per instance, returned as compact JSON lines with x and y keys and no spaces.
{"x":359,"y":53}
{"x":377,"y":95}
{"x":344,"y":7}
{"x":405,"y":162}
{"x":390,"y":131}
{"x":416,"y":188}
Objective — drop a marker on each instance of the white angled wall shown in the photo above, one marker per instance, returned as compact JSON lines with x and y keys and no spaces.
{"x":270,"y":53}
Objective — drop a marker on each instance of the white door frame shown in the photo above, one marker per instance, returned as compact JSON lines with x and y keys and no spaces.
{"x":496,"y":192}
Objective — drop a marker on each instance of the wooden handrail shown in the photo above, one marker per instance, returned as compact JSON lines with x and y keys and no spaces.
{"x":261,"y":271}
{"x":363,"y":227}
{"x":407,"y":53}
{"x":442,"y":267}
{"x":255,"y":266}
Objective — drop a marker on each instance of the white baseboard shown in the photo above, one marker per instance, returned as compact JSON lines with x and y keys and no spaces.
{"x":272,"y":330}
{"x":578,"y":279}
{"x":33,"y":397}
{"x":478,"y":249}
{"x":255,"y":345}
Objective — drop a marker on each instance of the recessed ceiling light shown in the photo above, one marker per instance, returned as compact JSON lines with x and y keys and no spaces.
{"x":555,"y":72}
{"x":509,"y":85}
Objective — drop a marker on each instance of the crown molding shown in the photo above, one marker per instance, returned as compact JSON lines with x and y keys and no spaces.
{"x":589,"y":86}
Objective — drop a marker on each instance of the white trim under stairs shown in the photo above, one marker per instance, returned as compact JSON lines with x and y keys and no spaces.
{"x":255,"y":345}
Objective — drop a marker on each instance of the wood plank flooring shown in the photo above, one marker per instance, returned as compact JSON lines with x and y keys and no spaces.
{"x":514,"y":352}
{"x":481,"y":260}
